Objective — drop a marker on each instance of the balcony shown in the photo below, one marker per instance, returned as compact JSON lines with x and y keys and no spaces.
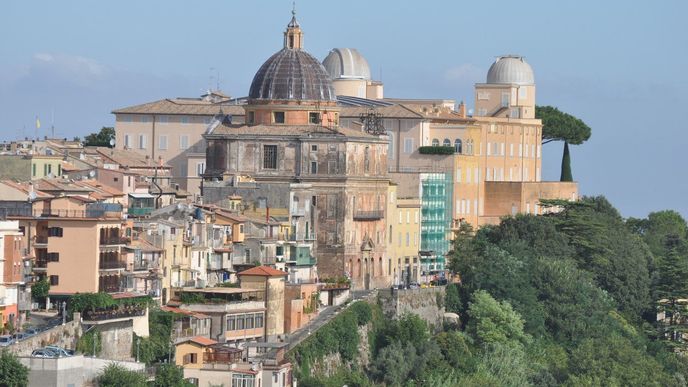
{"x":140,"y":211}
{"x":301,"y":236}
{"x":41,"y":240}
{"x":114,"y":241}
{"x":112,"y":265}
{"x":369,"y":215}
{"x":223,"y":355}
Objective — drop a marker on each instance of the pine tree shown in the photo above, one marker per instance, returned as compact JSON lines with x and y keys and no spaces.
{"x":672,"y":288}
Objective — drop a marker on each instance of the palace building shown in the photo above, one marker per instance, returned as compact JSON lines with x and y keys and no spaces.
{"x":292,"y":152}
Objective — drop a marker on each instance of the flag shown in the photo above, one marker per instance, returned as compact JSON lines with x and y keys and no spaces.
{"x":38,"y":123}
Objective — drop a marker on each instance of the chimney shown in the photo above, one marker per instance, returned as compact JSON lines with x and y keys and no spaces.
{"x":462,"y":110}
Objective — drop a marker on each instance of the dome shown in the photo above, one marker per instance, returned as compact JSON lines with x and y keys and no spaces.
{"x":511,"y":69}
{"x":292,"y":74}
{"x":346,"y":63}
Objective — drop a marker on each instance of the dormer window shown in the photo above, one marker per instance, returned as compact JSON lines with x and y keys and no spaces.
{"x":314,"y":118}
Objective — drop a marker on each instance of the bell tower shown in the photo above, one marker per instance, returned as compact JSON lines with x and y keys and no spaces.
{"x":293,"y":36}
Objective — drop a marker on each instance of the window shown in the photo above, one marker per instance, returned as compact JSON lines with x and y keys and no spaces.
{"x":314,"y":167}
{"x":55,"y":231}
{"x":259,"y":320}
{"x":142,"y":141}
{"x":269,"y":156}
{"x":54,"y":280}
{"x":390,"y":234}
{"x":200,"y":168}
{"x":251,"y":117}
{"x":313,"y":118}
{"x":244,"y":380}
{"x":162,"y":142}
{"x":502,"y":149}
{"x":184,"y":119}
{"x":191,"y":358}
{"x":390,"y":146}
{"x":127,"y":141}
{"x":53,"y":257}
{"x":33,"y":171}
{"x":408,"y":239}
{"x":446,"y":142}
{"x":435,"y":142}
{"x":278,"y":117}
{"x":183,"y":141}
{"x":240,"y":322}
{"x":538,"y":151}
{"x":59,"y":169}
{"x":249,"y":321}
{"x":366,"y":159}
{"x":231,"y":323}
{"x":408,"y":145}
{"x":457,"y":145}
{"x":314,"y":148}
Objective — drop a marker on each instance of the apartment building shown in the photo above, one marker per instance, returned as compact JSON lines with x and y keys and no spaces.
{"x":404,"y":219}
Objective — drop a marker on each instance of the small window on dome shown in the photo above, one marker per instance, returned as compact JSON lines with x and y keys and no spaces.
{"x":314,"y":118}
{"x":278,"y":117}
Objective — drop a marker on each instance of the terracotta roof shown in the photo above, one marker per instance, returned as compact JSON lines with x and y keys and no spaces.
{"x":186,"y":106}
{"x":24,"y":187}
{"x":143,"y":245}
{"x":184,"y":312}
{"x":203,"y":340}
{"x":288,"y":130}
{"x":263,"y":271}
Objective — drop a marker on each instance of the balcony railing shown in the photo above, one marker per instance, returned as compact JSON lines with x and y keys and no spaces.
{"x":60,"y":213}
{"x":222,"y":357}
{"x":301,"y":236}
{"x":369,"y":215}
{"x":104,"y":265}
{"x":139,"y":211}
{"x":114,"y":241}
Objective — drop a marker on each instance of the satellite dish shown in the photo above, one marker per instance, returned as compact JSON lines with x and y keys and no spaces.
{"x":112,"y":142}
{"x":91,"y":173}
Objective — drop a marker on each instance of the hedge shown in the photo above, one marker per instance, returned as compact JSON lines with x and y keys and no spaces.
{"x":436,"y":150}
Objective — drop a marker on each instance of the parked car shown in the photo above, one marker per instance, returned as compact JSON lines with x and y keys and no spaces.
{"x":31,"y":331}
{"x":413,"y":285}
{"x":19,"y":336}
{"x":6,"y":340}
{"x":44,"y":353}
{"x":61,"y":351}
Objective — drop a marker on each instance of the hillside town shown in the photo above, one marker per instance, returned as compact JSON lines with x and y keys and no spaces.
{"x":216,"y":233}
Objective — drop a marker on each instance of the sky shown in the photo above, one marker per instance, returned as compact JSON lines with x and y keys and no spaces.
{"x":621,"y":66}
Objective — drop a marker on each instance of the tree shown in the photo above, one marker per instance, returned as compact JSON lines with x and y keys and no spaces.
{"x":671,"y":286}
{"x":494,"y":322}
{"x":560,"y":126}
{"x":39,"y":290}
{"x":114,"y":375}
{"x":170,"y":375}
{"x":394,"y":363}
{"x":12,"y":372}
{"x":101,"y":138}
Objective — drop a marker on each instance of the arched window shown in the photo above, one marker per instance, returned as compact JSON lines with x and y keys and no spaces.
{"x":457,"y":145}
{"x":447,"y":142}
{"x":435,"y":142}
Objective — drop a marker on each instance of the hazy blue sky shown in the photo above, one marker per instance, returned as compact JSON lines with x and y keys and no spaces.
{"x":619,"y":65}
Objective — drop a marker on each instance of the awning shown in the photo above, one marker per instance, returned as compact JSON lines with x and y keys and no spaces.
{"x":141,"y":195}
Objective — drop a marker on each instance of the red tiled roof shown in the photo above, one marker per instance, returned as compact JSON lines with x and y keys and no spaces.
{"x":202,"y":340}
{"x":185,"y":312}
{"x":263,"y":271}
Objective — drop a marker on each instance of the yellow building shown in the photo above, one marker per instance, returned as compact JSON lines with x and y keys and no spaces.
{"x":403,"y":237}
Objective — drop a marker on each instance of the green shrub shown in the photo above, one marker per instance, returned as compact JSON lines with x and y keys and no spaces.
{"x":436,"y":150}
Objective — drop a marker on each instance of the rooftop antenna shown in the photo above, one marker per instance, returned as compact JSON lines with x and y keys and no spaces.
{"x":52,"y":123}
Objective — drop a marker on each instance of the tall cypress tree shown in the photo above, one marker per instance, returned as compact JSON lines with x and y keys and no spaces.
{"x":566,"y":174}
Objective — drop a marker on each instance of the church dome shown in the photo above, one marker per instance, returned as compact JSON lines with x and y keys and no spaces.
{"x":344,"y":63}
{"x":511,"y":69}
{"x":292,"y":74}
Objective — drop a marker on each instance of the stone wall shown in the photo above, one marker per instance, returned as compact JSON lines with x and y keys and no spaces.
{"x":117,"y":338}
{"x":69,"y":371}
{"x":64,"y":336}
{"x":427,"y":303}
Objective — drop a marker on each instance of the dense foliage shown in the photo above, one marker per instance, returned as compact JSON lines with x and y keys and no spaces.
{"x":12,"y":372}
{"x":90,"y":342}
{"x":39,"y":290}
{"x":114,"y":375}
{"x":436,"y":150}
{"x":560,"y":126}
{"x":157,"y":347}
{"x":170,"y":375}
{"x":568,"y":298}
{"x":102,"y":138}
